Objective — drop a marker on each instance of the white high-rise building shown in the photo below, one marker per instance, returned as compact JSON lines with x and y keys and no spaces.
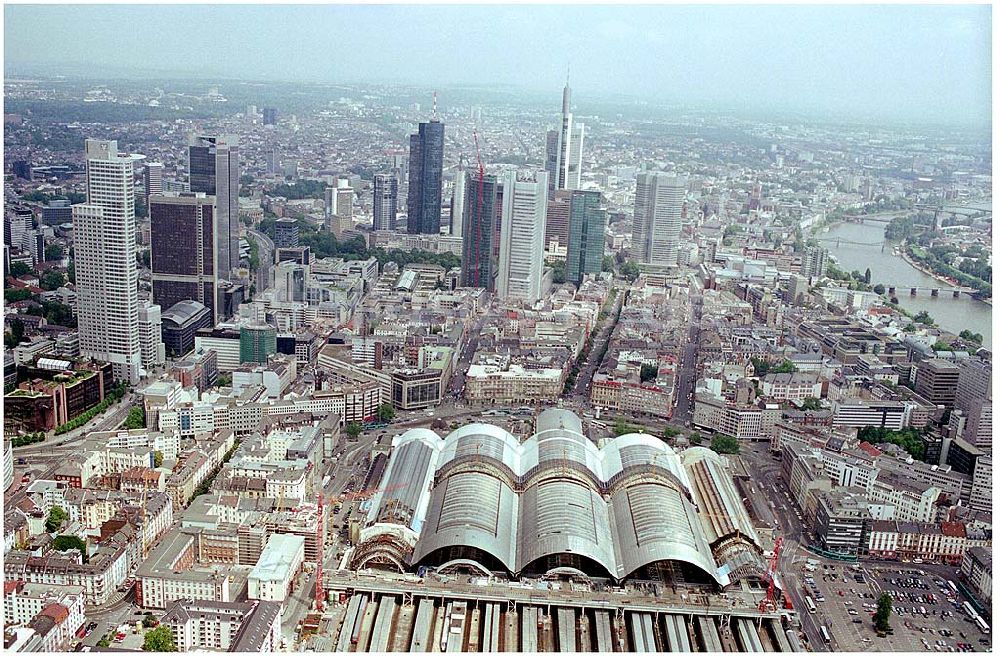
{"x":564,"y":149}
{"x":151,"y":344}
{"x":106,"y":274}
{"x":339,"y":207}
{"x":153,"y":179}
{"x":656,"y":229}
{"x":458,"y":203}
{"x":522,"y":237}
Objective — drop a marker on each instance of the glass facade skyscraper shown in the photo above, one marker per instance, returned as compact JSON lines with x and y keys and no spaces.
{"x":423,"y":199}
{"x":587,"y":222}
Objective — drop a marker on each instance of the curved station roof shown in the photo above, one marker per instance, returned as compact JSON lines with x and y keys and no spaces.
{"x":557,"y":501}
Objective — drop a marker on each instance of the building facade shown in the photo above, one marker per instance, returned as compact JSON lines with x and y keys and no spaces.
{"x":107,"y":275}
{"x":423,"y":201}
{"x":522,"y":238}
{"x":656,"y":228}
{"x":587,"y":223}
{"x":213,"y":163}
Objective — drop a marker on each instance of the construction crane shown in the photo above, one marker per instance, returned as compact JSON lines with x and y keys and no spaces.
{"x":769,"y":603}
{"x":479,"y":208}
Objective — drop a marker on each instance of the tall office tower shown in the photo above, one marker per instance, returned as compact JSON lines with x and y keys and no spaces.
{"x":151,"y":336}
{"x":271,"y":161}
{"x":656,"y":229}
{"x":564,"y":149}
{"x":33,"y":243}
{"x":183,"y":255}
{"x":557,"y":221}
{"x":384,"y":201}
{"x":522,"y":237}
{"x":107,"y":278}
{"x":270,"y":116}
{"x":258,"y":342}
{"x":339,"y":207}
{"x":458,"y":203}
{"x":423,"y":199}
{"x":153,"y":180}
{"x":814,"y":262}
{"x":587,"y":223}
{"x":286,"y":232}
{"x":479,"y":225}
{"x":937,"y":381}
{"x":251,"y":113}
{"x":21,"y":169}
{"x":974,"y":397}
{"x":215,"y":171}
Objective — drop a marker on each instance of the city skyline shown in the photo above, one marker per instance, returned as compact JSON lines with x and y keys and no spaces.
{"x":909,"y":63}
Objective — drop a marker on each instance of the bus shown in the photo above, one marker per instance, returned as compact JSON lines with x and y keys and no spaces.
{"x":826,"y":635}
{"x":970,"y":610}
{"x":951,"y":585}
{"x":810,"y":604}
{"x":982,"y":625}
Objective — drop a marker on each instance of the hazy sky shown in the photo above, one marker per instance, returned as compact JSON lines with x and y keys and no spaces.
{"x":919,"y":61}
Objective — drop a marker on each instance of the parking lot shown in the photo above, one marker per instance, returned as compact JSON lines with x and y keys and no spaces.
{"x":926,"y":616}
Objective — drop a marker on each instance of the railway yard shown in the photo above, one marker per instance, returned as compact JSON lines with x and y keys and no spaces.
{"x":370,"y":622}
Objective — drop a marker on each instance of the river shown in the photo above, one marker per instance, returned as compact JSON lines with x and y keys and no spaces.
{"x":950,"y":314}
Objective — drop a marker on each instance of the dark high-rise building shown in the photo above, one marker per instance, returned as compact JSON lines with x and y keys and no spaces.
{"x":587,"y":221}
{"x":270,"y":116}
{"x":481,"y":219}
{"x":557,"y":220}
{"x":21,"y":169}
{"x":423,"y":200}
{"x":286,"y":232}
{"x":57,"y":212}
{"x":384,"y":201}
{"x":215,"y":171}
{"x":182,"y":250}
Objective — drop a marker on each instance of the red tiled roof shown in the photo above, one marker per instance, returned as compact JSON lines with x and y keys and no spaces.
{"x":56,"y":611}
{"x":870,"y":449}
{"x":953,"y":529}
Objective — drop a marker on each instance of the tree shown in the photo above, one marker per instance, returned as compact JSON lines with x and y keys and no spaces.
{"x":969,"y":336}
{"x":51,"y":280}
{"x":12,"y":295}
{"x":57,"y":516}
{"x":883,"y":612}
{"x":630,"y":271}
{"x":670,"y":432}
{"x":868,"y":275}
{"x":385,"y":413}
{"x":16,"y":333}
{"x":811,"y":404}
{"x":149,"y":620}
{"x":105,"y":642}
{"x":723,"y":444}
{"x":696,"y":438}
{"x":648,"y":373}
{"x":608,"y":263}
{"x":157,"y":458}
{"x":559,"y":272}
{"x":621,"y":427}
{"x":136,"y":418}
{"x":53,"y":251}
{"x":878,"y":289}
{"x":353,"y":430}
{"x":159,"y":640}
{"x":69,"y":542}
{"x":19,"y":269}
{"x":923,"y":317}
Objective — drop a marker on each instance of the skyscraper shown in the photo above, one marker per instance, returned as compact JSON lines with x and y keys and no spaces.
{"x":522,"y":237}
{"x":183,"y":256}
{"x":339,"y":206}
{"x":557,"y":221}
{"x":458,"y":203}
{"x":105,"y":254}
{"x":479,"y":219}
{"x":974,"y":397}
{"x":215,"y":171}
{"x":656,"y":229}
{"x":564,"y":149}
{"x":587,"y":222}
{"x":423,"y":199}
{"x":270,"y":116}
{"x":150,"y":335}
{"x":153,"y":180}
{"x":384,"y":200}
